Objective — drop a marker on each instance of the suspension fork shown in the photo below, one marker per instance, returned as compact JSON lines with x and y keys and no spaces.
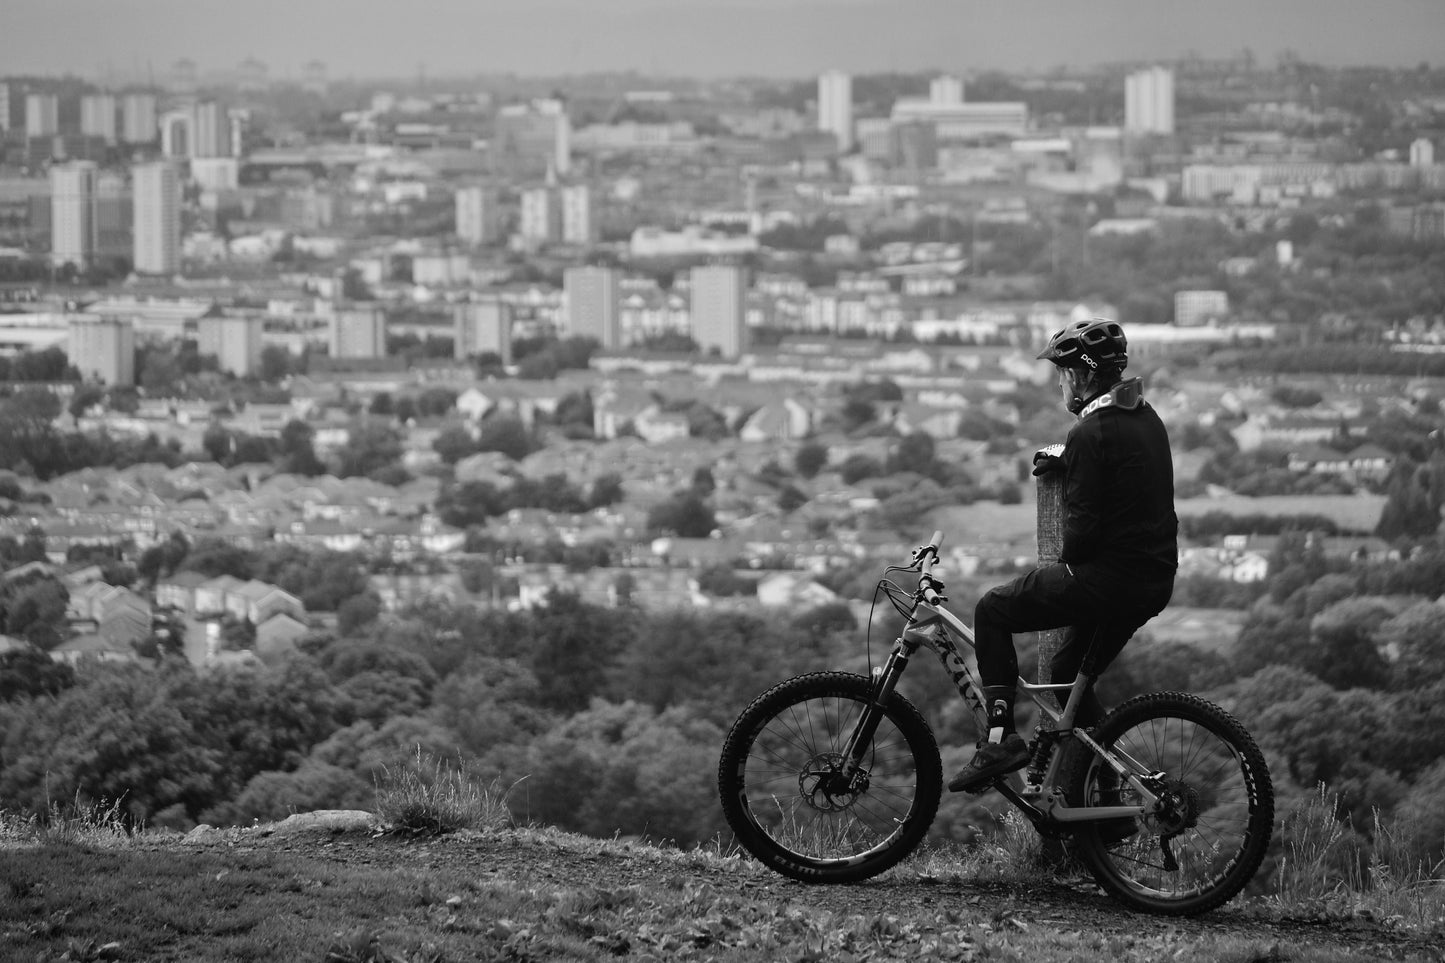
{"x":885,"y":680}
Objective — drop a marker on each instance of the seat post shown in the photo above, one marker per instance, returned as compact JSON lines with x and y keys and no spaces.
{"x":1080,"y":688}
{"x":1086,"y":678}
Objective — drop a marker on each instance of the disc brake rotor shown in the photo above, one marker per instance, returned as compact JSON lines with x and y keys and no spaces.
{"x":823,"y":786}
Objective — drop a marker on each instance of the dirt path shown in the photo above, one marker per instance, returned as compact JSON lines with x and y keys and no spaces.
{"x":548,"y":859}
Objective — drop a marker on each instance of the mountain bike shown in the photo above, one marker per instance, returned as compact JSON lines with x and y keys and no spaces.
{"x":834,"y":777}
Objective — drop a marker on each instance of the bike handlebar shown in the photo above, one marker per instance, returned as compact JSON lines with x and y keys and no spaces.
{"x":927,"y":555}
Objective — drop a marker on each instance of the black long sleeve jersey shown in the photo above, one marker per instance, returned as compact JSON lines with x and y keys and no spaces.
{"x":1119,"y":486}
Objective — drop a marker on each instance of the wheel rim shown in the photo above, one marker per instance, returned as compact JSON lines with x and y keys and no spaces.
{"x":1204,"y":823}
{"x":795,"y":794}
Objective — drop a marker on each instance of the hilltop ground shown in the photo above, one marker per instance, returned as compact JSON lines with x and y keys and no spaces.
{"x":339,"y":891}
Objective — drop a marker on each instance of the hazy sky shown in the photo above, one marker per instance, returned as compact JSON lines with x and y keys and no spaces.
{"x":357,"y":38}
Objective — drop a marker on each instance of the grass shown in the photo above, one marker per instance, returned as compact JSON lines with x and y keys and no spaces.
{"x":267,"y":902}
{"x":76,"y":822}
{"x":76,"y":883}
{"x":427,"y":796}
{"x":1328,"y":871}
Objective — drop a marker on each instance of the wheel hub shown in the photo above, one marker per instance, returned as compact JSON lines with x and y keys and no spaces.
{"x":1178,"y":808}
{"x":824,"y":787}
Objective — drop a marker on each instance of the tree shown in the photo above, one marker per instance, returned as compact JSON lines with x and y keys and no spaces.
{"x":297,"y":449}
{"x":435,"y":402}
{"x":1422,"y":813}
{"x":684,"y":514}
{"x":606,"y":490}
{"x":372,"y":445}
{"x":622,"y":768}
{"x":50,"y":364}
{"x":573,"y":645}
{"x":213,"y":557}
{"x":1414,"y":642}
{"x":857,"y":413}
{"x":574,"y":415}
{"x":276,"y":363}
{"x":29,"y":442}
{"x":856,"y":468}
{"x":454,"y":443}
{"x":34,"y":609}
{"x":1408,"y":511}
{"x":357,"y":612}
{"x":506,"y":434}
{"x":86,"y":397}
{"x":26,"y":673}
{"x":811,"y":458}
{"x":470,"y":503}
{"x":491,"y":703}
{"x":914,"y":452}
{"x":791,"y":498}
{"x":218,"y":444}
{"x":115,"y":735}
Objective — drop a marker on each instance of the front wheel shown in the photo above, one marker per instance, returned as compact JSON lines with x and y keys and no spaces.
{"x":1217,"y":805}
{"x":790,"y":800}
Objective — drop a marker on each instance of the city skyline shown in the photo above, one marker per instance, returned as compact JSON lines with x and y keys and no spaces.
{"x":792,"y":38}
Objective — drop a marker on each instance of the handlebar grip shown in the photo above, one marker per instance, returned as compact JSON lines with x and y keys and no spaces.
{"x":936,"y":539}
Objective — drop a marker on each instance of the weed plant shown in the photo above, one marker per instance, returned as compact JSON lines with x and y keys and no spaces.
{"x":426,"y":795}
{"x":77,"y":822}
{"x":1329,"y":871}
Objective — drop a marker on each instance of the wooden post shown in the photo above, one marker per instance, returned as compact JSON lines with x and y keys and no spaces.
{"x":1049,"y":532}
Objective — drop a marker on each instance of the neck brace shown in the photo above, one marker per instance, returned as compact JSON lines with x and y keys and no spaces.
{"x":1126,"y":394}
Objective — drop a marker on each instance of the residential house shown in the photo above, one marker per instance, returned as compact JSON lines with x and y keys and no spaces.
{"x":321,"y":533}
{"x":474,"y":404}
{"x":92,"y":645}
{"x":656,"y":426}
{"x":119,"y":616}
{"x":62,"y":536}
{"x":210,"y":595}
{"x":41,"y":569}
{"x":179,"y":591}
{"x":1367,"y":462}
{"x":938,"y":423}
{"x":794,"y":589}
{"x":402,"y":591}
{"x":785,"y":421}
{"x":257,"y":601}
{"x":535,"y":585}
{"x":438,"y":538}
{"x":81,"y":606}
{"x":1286,"y":431}
{"x":265,"y":420}
{"x":655,"y":589}
{"x":277,"y":637}
{"x":125,"y":626}
{"x":338,"y":502}
{"x":485,"y":466}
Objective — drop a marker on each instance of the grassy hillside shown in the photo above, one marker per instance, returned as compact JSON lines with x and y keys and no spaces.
{"x":353,"y":888}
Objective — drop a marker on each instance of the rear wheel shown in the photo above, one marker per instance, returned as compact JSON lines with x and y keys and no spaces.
{"x":785,"y":794}
{"x":1209,"y":836}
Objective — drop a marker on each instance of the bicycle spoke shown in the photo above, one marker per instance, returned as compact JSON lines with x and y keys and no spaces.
{"x":1204,"y":815}
{"x":794,"y":757}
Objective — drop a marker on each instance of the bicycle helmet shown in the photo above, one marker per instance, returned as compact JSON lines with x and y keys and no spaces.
{"x":1093,"y":344}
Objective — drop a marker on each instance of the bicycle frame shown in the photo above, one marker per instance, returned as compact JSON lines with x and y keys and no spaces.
{"x":931,"y":625}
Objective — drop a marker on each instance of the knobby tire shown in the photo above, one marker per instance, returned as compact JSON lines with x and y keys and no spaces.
{"x":777,"y":755}
{"x":1218,"y":833}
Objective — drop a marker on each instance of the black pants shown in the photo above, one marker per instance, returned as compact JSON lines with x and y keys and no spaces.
{"x":1097,"y":606}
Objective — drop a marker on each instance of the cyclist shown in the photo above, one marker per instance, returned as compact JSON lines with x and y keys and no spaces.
{"x":1120,"y":549}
